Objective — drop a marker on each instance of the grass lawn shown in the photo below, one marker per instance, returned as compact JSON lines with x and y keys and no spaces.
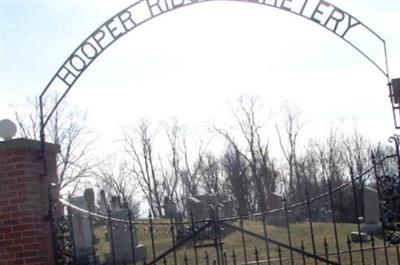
{"x":233,"y":241}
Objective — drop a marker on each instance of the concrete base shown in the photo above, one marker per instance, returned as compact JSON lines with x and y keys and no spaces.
{"x":123,"y":257}
{"x":362,"y":237}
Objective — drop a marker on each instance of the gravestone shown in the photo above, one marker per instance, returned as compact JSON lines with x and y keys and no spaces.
{"x":115,"y":203}
{"x":323,"y":215}
{"x":103,"y":203}
{"x":194,"y":205}
{"x":371,"y":206}
{"x":121,"y":240}
{"x":200,"y":206}
{"x":209,"y":199}
{"x":179,"y":226}
{"x":83,"y":239}
{"x":274,"y":202}
{"x":89,"y":196}
{"x":228,"y":209}
{"x":170,"y":209}
{"x":372,"y":224}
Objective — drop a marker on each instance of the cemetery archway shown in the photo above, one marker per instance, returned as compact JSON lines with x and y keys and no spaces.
{"x":332,"y":18}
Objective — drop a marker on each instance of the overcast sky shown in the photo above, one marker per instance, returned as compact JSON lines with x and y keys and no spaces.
{"x":193,"y":63}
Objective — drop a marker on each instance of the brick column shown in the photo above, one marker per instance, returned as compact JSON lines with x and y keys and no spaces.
{"x":25,"y":233}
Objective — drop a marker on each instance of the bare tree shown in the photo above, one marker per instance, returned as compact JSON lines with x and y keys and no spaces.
{"x":288,"y":141}
{"x":255,"y":152}
{"x":309,"y":171}
{"x":139,"y":147}
{"x":333,"y":169}
{"x":181,"y":177}
{"x":238,"y":179}
{"x":388,"y":167}
{"x":116,"y":179}
{"x":67,"y":129}
{"x":357,"y":154}
{"x":210,"y":174}
{"x":190,"y":171}
{"x":172,"y":173}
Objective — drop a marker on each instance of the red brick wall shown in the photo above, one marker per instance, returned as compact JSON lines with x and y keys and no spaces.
{"x":25,"y":234}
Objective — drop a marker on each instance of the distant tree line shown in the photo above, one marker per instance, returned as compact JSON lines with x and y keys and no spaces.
{"x":243,"y":169}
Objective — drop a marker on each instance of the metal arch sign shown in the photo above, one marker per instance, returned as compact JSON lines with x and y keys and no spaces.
{"x":321,"y":12}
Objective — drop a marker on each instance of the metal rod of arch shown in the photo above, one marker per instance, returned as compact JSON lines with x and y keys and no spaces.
{"x":130,"y":17}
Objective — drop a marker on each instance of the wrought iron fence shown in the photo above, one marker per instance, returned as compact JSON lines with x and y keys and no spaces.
{"x":296,"y":233}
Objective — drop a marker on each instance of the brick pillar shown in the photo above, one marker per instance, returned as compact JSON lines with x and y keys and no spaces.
{"x":25,"y":233}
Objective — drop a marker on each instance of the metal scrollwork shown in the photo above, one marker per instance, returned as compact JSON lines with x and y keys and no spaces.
{"x":389,"y":185}
{"x":390,"y":202}
{"x":64,"y":244}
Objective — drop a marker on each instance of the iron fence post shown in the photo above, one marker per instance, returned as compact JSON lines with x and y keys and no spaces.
{"x":379,"y":192}
{"x":151,"y":228}
{"x":349,"y":250}
{"x":243,"y":240}
{"x":303,"y":257}
{"x":280,"y":255}
{"x":218,"y":227}
{"x":206,"y":258}
{"x":333,"y":215}
{"x":288,"y":230}
{"x":234,"y":257}
{"x":173,"y":238}
{"x":51,"y":216}
{"x":71,"y":229}
{"x":353,"y":184}
{"x":110,"y":228}
{"x":93,"y":235}
{"x":214,"y":217}
{"x":326,"y":250}
{"x":373,"y":249}
{"x":264,"y":220}
{"x":308,"y":205}
{"x":131,"y":234}
{"x":194,"y":238}
{"x":256,"y":255}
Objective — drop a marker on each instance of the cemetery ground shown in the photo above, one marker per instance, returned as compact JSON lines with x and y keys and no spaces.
{"x":233,"y":241}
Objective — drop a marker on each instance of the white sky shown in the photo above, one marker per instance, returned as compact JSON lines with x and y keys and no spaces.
{"x":194,"y":62}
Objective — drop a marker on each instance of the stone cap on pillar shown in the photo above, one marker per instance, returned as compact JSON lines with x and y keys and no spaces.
{"x":28,"y":143}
